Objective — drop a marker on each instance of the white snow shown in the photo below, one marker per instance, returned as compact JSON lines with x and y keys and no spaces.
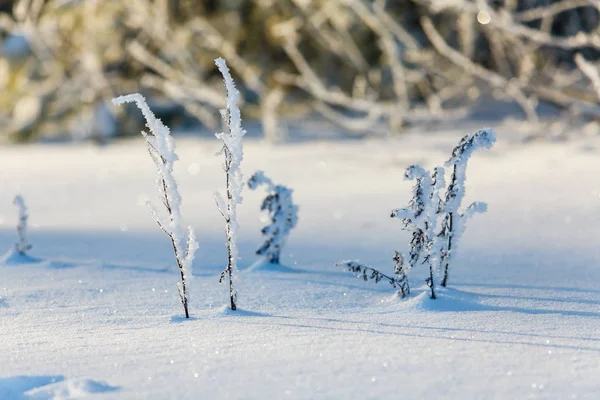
{"x":95,"y":313}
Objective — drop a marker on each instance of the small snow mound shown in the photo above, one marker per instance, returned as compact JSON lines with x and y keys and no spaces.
{"x":447,"y":300}
{"x":50,"y":387}
{"x":70,"y":389}
{"x":16,"y":258}
{"x":266,"y":266}
{"x":15,"y":387}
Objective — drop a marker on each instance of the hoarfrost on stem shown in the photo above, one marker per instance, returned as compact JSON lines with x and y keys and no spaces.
{"x":454,"y":222}
{"x":233,"y":152}
{"x":368,"y":273}
{"x":420,"y":218}
{"x":401,"y":269}
{"x":282,"y":212}
{"x":429,"y":246}
{"x":23,"y":244}
{"x":161,"y":147}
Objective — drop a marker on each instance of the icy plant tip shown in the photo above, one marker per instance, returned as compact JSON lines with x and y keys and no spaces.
{"x":160,"y":136}
{"x":454,"y":221}
{"x":484,"y":138}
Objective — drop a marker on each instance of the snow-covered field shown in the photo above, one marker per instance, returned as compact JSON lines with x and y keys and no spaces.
{"x":99,"y":315}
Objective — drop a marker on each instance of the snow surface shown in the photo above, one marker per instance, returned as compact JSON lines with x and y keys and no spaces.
{"x":95,"y":312}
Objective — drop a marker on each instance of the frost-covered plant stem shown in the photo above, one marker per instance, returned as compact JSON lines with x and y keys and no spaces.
{"x":231,"y":240}
{"x":232,"y":149}
{"x":161,"y":147}
{"x":282,"y":212}
{"x":448,"y":247}
{"x":23,"y":245}
{"x":401,"y":269}
{"x":420,"y":218}
{"x":454,"y":222}
{"x":369,"y":273}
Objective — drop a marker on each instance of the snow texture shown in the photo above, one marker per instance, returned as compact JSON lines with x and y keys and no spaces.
{"x":22,"y":246}
{"x":161,"y":147}
{"x":282,"y":212}
{"x":521,"y":320}
{"x":233,"y":151}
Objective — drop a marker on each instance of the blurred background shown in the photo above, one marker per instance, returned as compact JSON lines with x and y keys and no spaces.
{"x":367,"y":67}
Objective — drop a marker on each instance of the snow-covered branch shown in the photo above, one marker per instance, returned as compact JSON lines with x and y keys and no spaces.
{"x":427,"y":245}
{"x":401,"y":269}
{"x":161,"y":147}
{"x":420,"y":218}
{"x":454,"y":222}
{"x":233,"y":152}
{"x":368,"y":273}
{"x":283,"y":214}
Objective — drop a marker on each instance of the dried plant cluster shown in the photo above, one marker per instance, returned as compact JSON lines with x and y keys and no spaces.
{"x":433,"y":203}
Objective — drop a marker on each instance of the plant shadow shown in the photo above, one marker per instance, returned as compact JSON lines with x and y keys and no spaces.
{"x":178,"y":319}
{"x":527,"y":287}
{"x":15,"y":387}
